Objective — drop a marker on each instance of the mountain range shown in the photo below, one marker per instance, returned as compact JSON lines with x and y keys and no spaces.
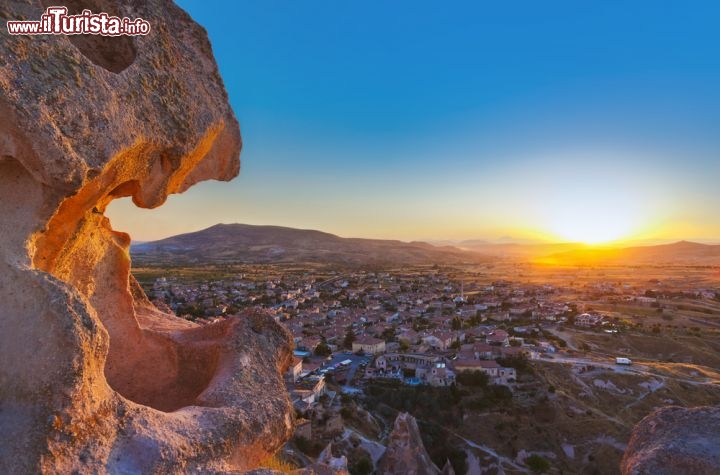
{"x":244,"y":243}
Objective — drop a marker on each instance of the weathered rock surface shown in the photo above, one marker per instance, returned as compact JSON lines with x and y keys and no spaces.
{"x":327,"y":464}
{"x":405,"y":451}
{"x":675,"y":440}
{"x":448,"y":469}
{"x":93,"y":378}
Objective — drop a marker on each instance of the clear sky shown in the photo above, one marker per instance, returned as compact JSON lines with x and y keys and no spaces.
{"x":592,"y":121}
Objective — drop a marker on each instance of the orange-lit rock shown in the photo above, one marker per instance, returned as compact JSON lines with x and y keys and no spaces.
{"x":93,"y":378}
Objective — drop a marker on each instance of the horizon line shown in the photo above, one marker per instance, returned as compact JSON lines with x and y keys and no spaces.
{"x":503,"y":240}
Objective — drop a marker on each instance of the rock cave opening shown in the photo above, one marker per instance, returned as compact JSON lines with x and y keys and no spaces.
{"x":155,"y":358}
{"x":114,"y":54}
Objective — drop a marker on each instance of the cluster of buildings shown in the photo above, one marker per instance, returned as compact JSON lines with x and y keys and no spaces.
{"x":436,"y":367}
{"x":380,"y":300}
{"x":423,"y":327}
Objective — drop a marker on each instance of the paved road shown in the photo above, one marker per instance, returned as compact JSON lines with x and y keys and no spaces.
{"x":597,"y":362}
{"x":608,"y":363}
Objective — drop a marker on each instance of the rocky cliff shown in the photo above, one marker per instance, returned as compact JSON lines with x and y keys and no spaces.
{"x":405,"y":450}
{"x":675,"y":440}
{"x":93,"y":378}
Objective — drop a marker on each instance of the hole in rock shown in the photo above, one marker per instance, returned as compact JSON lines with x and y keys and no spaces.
{"x":154,"y":358}
{"x":169,"y":364}
{"x":113,"y":53}
{"x":163,"y":374}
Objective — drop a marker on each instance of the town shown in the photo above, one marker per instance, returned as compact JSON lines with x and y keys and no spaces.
{"x":428,"y":326}
{"x":423,"y":328}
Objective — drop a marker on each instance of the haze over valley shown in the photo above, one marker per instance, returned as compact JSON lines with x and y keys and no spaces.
{"x":242,"y":243}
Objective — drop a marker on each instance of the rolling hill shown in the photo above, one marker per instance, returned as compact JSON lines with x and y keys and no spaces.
{"x":518,"y":251}
{"x":243,"y":243}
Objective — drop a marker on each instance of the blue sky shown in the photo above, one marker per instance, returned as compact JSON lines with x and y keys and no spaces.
{"x":420,"y":120}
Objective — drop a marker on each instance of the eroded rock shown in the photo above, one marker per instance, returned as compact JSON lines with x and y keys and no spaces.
{"x":327,"y":464}
{"x":93,"y":378}
{"x":405,"y":451}
{"x":675,"y":440}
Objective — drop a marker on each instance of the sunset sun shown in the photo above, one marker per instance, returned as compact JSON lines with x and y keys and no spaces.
{"x":592,"y":229}
{"x":593,"y":218}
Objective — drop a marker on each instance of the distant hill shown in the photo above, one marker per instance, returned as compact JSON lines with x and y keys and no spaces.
{"x":679,"y":253}
{"x":518,"y":251}
{"x":244,"y":243}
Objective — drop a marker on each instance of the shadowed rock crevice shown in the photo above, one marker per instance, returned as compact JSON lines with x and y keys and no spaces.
{"x":95,"y":379}
{"x":114,"y":54}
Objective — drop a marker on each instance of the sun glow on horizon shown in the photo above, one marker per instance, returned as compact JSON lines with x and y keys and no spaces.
{"x":595,"y":215}
{"x":593,"y":230}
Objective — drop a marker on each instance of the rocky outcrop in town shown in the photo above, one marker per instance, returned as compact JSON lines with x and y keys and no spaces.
{"x":405,"y":450}
{"x":328,"y":464}
{"x":94,"y":378}
{"x":675,"y":440}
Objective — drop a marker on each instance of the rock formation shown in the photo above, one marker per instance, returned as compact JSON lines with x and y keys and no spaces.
{"x":405,"y":451}
{"x":675,"y":440}
{"x":93,"y":378}
{"x":327,"y":464}
{"x":448,"y":468}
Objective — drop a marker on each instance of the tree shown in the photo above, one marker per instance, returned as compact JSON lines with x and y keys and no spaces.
{"x":349,"y":339}
{"x":322,"y":349}
{"x":474,"y":320}
{"x":456,"y":323}
{"x":388,"y":334}
{"x":364,"y":466}
{"x":472,"y":378}
{"x":308,"y":447}
{"x":537,"y":464}
{"x":519,"y":362}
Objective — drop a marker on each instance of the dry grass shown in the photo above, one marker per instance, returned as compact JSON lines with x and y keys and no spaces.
{"x":275,"y":463}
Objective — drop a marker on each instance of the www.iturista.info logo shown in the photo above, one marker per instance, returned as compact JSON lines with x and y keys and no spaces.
{"x":56,"y":21}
